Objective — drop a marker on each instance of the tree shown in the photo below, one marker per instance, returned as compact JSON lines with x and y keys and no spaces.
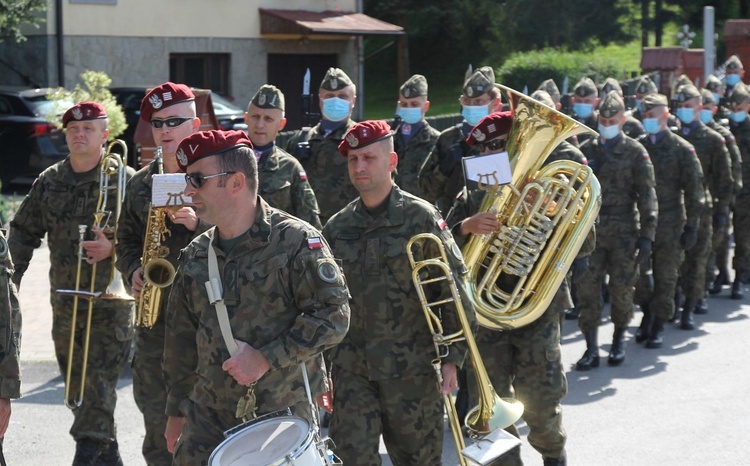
{"x":15,"y":13}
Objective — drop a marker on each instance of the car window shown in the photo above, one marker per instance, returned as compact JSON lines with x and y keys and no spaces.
{"x":5,"y":107}
{"x":222,"y":105}
{"x":42,"y":106}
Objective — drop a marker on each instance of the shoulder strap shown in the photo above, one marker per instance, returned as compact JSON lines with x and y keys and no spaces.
{"x":215,"y":297}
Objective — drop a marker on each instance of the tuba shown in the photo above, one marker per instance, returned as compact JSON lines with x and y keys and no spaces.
{"x":545,"y":216}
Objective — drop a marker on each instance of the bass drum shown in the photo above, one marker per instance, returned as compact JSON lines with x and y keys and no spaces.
{"x":286,"y":440}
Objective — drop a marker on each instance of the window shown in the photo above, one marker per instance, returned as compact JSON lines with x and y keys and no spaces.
{"x":201,"y":70}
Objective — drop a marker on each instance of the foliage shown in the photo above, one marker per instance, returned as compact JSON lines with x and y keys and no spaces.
{"x":15,"y":13}
{"x":95,"y":88}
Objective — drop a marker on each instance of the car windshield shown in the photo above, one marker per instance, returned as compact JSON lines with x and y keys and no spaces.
{"x":223,"y":106}
{"x":43,"y":106}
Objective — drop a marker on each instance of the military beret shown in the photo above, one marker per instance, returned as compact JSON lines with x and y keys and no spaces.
{"x":611,"y":84}
{"x":550,"y":87}
{"x":207,"y":143}
{"x":584,"y":87}
{"x":654,"y":100}
{"x":543,"y":96}
{"x":707,"y":97}
{"x":363,"y":134}
{"x":335,"y":80}
{"x":164,"y":96}
{"x":645,"y":86}
{"x":733,"y":63}
{"x":490,"y":127}
{"x":83,"y":111}
{"x":686,"y":92}
{"x":481,"y":82}
{"x":268,"y":96}
{"x":414,"y":86}
{"x":713,"y":83}
{"x":740,"y":94}
{"x":611,"y":104}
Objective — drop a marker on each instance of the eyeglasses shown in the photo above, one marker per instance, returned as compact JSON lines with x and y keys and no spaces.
{"x":495,"y":144}
{"x":196,"y":181}
{"x":171,"y":122}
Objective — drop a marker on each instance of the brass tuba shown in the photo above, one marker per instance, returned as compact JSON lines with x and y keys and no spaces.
{"x":544,"y":214}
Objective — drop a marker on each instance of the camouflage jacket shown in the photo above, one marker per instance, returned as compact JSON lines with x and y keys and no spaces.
{"x":627,"y":180}
{"x":412,"y":155}
{"x":566,"y":151}
{"x":283,"y":184}
{"x":592,"y":122}
{"x":741,"y":133}
{"x":389,"y":334}
{"x":715,"y":163}
{"x":633,"y":127}
{"x":285,"y":296}
{"x":679,"y":177}
{"x":10,"y":326}
{"x":734,"y":153}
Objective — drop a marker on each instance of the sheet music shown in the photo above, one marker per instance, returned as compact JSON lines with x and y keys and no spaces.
{"x":488,"y":169}
{"x":168,"y":190}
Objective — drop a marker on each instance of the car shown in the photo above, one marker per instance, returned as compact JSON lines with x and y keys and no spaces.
{"x":29,"y":142}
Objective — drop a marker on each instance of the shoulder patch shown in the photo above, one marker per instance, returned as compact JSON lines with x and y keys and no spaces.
{"x":328,"y":270}
{"x":441,"y":224}
{"x":314,"y":242}
{"x":302,"y":175}
{"x":645,"y":155}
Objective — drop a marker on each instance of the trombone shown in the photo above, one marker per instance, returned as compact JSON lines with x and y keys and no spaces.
{"x":106,"y":221}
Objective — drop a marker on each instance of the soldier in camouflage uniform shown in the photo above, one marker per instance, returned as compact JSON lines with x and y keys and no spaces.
{"x":717,"y":88}
{"x":285,"y":298}
{"x":550,"y":88}
{"x":643,"y":87}
{"x":632,"y":127}
{"x":585,"y":102}
{"x":441,"y":177}
{"x":317,"y":147}
{"x":735,"y":72}
{"x":679,"y":190}
{"x":717,"y":179}
{"x":739,"y":124}
{"x":63,"y":197}
{"x":383,"y":378}
{"x":283,"y":181}
{"x":414,"y":137}
{"x":170,"y":111}
{"x":10,"y":325}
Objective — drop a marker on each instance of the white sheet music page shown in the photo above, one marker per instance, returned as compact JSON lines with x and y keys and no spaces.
{"x":490,"y":169}
{"x":168,"y":189}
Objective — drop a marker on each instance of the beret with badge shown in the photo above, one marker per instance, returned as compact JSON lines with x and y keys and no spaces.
{"x":734,"y":63}
{"x":207,"y":143}
{"x":83,"y":111}
{"x":268,"y":96}
{"x":611,"y":84}
{"x":686,"y":92}
{"x":414,"y":87}
{"x":611,"y":104}
{"x":540,"y":95}
{"x":363,"y":134}
{"x":645,"y":86}
{"x":654,"y":100}
{"x":163,"y":96}
{"x":740,"y":94}
{"x":480,"y":82}
{"x":335,"y":80}
{"x":490,"y":127}
{"x":550,"y":87}
{"x":585,"y":87}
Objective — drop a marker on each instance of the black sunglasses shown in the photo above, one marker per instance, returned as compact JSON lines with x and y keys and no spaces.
{"x":495,"y":144}
{"x":196,"y":180}
{"x":171,"y":122}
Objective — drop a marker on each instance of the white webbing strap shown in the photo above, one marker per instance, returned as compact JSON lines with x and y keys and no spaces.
{"x":215,"y":297}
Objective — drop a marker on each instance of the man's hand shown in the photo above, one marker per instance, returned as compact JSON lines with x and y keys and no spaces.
{"x":173,"y":431}
{"x":98,"y":249}
{"x":186,"y":216}
{"x":450,"y":378}
{"x":136,"y":281}
{"x":247,"y":366}
{"x":482,"y":223}
{"x":4,"y":415}
{"x":643,"y":248}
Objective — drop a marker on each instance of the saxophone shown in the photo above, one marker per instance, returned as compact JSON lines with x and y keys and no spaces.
{"x":158,"y":272}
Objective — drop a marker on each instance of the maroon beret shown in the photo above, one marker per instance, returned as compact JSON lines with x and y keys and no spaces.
{"x":493,"y":125}
{"x":206,"y":143}
{"x":83,"y":111}
{"x":164,"y":96}
{"x":363,"y":134}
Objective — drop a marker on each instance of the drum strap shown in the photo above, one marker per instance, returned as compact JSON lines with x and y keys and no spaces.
{"x":215,"y":297}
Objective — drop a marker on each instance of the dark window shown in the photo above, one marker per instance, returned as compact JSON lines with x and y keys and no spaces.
{"x":201,"y":70}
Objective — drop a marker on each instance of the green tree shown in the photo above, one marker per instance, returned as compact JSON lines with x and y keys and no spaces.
{"x":15,"y":13}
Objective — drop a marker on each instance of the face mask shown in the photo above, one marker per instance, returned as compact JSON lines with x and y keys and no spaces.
{"x":733,"y":79}
{"x":686,"y":115}
{"x":738,"y":117}
{"x":473,"y":113}
{"x":651,"y":125}
{"x":706,"y":115}
{"x":410,"y":115}
{"x":583,"y":110}
{"x":716,"y":98}
{"x":638,"y":105}
{"x":335,"y":109}
{"x":608,"y":132}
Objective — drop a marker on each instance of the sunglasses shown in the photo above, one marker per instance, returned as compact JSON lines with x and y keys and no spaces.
{"x":495,"y":144}
{"x":196,"y":181}
{"x":171,"y":122}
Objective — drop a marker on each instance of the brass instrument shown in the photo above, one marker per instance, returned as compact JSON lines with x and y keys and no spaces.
{"x":492,"y":412}
{"x":158,"y":272}
{"x":105,"y":220}
{"x":544,"y":214}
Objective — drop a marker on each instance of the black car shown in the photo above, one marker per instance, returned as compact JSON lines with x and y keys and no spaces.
{"x":29,"y":143}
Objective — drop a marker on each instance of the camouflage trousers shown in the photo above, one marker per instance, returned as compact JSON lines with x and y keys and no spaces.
{"x":741,"y":261}
{"x":109,"y":348}
{"x":150,"y":392}
{"x":718,"y":256}
{"x":407,"y":411}
{"x":693,"y":270}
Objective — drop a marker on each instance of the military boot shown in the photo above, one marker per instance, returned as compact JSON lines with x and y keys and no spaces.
{"x":679,"y":299}
{"x":686,"y":321}
{"x":87,"y":452}
{"x":110,"y":456}
{"x":617,"y":352}
{"x":702,"y":306}
{"x":656,"y":335}
{"x":721,"y":279}
{"x":590,"y":358}
{"x":561,"y":461}
{"x":737,"y":289}
{"x":572,"y":313}
{"x":644,"y":329}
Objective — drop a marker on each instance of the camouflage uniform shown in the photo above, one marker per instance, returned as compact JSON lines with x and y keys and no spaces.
{"x":58,"y":202}
{"x":382,"y":372}
{"x":10,"y":323}
{"x":741,"y":221}
{"x":280,"y":265}
{"x":412,"y":155}
{"x":149,"y":389}
{"x":585,"y":87}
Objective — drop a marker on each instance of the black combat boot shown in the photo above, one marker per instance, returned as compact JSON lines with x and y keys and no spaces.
{"x":686,"y":321}
{"x":87,"y":452}
{"x":561,"y":461}
{"x":656,"y":336}
{"x":617,"y":352}
{"x":702,"y":306}
{"x":110,"y":456}
{"x":572,"y":313}
{"x":721,"y":279}
{"x":590,"y":358}
{"x":644,"y":329}
{"x":737,"y":289}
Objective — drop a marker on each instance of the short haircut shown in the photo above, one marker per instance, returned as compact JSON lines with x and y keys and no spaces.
{"x":241,"y":160}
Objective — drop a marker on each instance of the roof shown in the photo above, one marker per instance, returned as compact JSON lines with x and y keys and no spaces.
{"x":693,"y":58}
{"x":737,"y":27}
{"x":300,"y":23}
{"x":661,"y":58}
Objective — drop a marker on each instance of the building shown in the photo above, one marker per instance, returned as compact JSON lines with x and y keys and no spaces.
{"x":666,"y":64}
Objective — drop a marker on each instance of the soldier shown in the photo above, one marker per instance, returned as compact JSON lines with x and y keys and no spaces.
{"x":643,"y":87}
{"x":735,"y":72}
{"x":632,"y":127}
{"x":550,"y":88}
{"x":284,"y":302}
{"x":717,"y":179}
{"x":317,"y":147}
{"x":679,"y":190}
{"x":441,"y":177}
{"x":626,"y":229}
{"x":10,"y":325}
{"x":170,"y":111}
{"x":283,"y":181}
{"x":717,"y":88}
{"x":585,"y":101}
{"x":63,"y":197}
{"x":739,"y":124}
{"x":384,"y":382}
{"x":414,"y":138}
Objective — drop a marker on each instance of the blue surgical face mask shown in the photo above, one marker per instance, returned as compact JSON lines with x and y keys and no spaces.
{"x":717,"y":99}
{"x":410,"y":115}
{"x":733,"y":79}
{"x":686,"y":115}
{"x":706,"y":115}
{"x":638,"y":104}
{"x":583,"y":110}
{"x":608,"y":132}
{"x":473,"y":113}
{"x":738,"y":117}
{"x":651,"y":125}
{"x":335,"y":109}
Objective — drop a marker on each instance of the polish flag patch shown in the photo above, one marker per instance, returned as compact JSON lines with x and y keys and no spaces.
{"x":314,"y":243}
{"x":302,"y":175}
{"x":441,"y":223}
